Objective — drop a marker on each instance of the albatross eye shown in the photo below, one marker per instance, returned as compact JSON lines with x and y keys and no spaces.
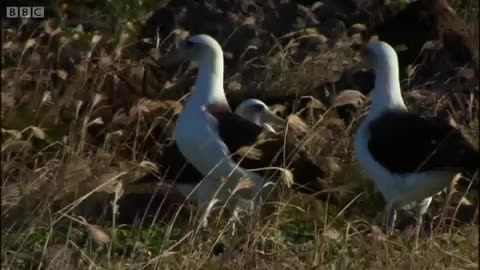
{"x":258,"y":108}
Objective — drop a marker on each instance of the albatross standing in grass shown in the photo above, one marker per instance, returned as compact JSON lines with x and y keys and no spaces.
{"x":410,"y":158}
{"x":209,"y":134}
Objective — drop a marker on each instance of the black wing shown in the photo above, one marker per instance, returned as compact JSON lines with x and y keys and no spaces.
{"x":404,"y":142}
{"x":280,"y":151}
{"x":235,"y":131}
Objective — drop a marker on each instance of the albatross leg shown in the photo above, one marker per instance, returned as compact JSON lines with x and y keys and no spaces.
{"x":244,"y":212}
{"x":418,"y":226}
{"x":231,"y":230}
{"x":421,"y":209}
{"x":239,"y":208}
{"x":230,"y":205}
{"x":243,"y":208}
{"x":390,"y":218}
{"x":448,"y":195}
{"x":203,"y":229}
{"x":223,"y":248}
{"x":449,"y":192}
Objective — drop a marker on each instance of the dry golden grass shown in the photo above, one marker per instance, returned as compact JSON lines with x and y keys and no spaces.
{"x":76,"y":132}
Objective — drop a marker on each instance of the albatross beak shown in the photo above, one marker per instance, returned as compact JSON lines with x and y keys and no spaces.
{"x":272,"y":121}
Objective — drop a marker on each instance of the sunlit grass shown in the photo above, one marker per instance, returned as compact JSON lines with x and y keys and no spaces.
{"x":77,"y":132}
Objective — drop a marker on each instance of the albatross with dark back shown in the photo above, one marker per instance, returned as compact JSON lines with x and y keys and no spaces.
{"x":410,"y":158}
{"x":308,"y":176}
{"x":214,"y":140}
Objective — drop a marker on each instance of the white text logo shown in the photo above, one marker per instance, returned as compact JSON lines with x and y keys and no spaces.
{"x":25,"y":12}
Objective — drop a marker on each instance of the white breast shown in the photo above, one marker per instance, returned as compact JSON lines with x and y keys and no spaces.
{"x":197,"y":142}
{"x":385,"y":181}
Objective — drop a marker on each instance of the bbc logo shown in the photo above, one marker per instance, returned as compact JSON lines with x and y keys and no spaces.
{"x":25,"y":12}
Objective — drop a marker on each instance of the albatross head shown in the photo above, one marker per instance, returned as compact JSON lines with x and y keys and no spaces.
{"x":258,"y":112}
{"x":382,"y":58}
{"x":197,"y":48}
{"x":208,"y":55}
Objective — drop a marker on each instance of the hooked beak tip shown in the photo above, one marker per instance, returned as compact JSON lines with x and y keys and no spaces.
{"x":270,"y":128}
{"x":273,"y":120}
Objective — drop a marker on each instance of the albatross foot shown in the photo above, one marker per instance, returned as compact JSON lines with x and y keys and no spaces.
{"x":390,"y":219}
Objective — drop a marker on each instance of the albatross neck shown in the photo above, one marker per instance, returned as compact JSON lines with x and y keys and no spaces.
{"x":208,"y":88}
{"x":387,"y":94}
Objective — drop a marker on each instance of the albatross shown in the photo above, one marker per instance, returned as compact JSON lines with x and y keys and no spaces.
{"x":258,"y":112}
{"x":251,"y":109}
{"x":409,"y":157}
{"x":209,"y":136}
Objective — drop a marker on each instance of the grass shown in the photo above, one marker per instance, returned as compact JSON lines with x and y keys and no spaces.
{"x":77,"y":132}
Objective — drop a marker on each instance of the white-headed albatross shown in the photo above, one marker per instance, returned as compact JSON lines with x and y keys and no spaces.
{"x":208,"y":134}
{"x":410,"y":158}
{"x":258,"y":112}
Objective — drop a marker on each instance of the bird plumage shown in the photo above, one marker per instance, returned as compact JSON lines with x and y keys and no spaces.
{"x":410,"y":158}
{"x":419,"y":144}
{"x":209,"y":135}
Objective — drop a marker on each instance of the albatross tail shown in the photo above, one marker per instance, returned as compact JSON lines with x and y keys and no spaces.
{"x":470,"y":159}
{"x":457,"y":152}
